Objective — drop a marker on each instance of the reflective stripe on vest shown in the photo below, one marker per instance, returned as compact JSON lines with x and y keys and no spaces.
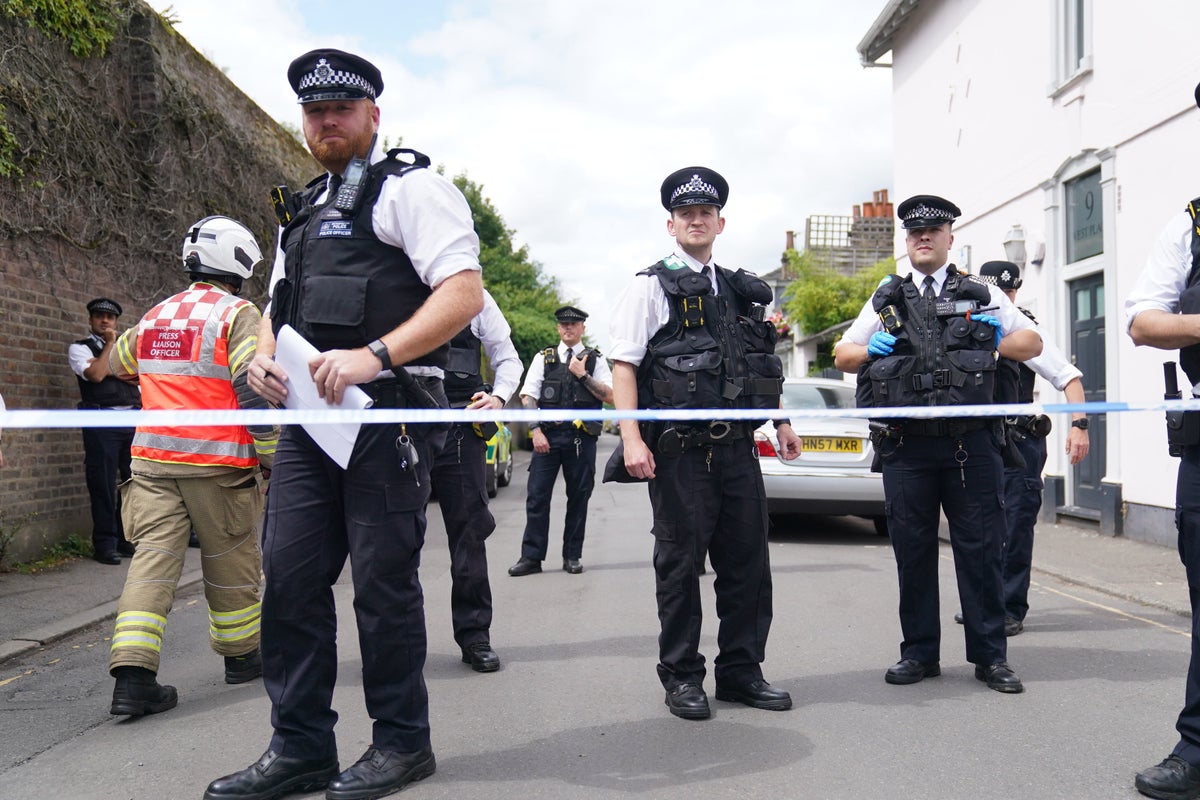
{"x":183,"y":360}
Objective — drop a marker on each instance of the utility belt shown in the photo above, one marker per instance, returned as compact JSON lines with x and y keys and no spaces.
{"x":1183,"y":430}
{"x":591,"y":427}
{"x":1036,"y":425}
{"x":94,"y":407}
{"x":678,"y":438}
{"x":926,"y":427}
{"x":405,"y":391}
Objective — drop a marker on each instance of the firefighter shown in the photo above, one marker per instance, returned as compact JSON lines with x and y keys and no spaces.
{"x":192,"y":351}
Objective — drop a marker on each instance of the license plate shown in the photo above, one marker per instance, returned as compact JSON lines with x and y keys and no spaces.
{"x":830,"y":444}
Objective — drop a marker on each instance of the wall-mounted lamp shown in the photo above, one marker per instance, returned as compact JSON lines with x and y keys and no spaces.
{"x":1014,"y":246}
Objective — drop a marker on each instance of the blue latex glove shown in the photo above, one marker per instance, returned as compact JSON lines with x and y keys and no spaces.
{"x":995,"y":323}
{"x":881,"y":343}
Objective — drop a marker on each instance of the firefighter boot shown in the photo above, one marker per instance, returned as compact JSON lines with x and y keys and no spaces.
{"x":239,"y":669}
{"x":137,"y":692}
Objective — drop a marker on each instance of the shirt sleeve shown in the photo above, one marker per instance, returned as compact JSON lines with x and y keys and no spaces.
{"x":534,"y":377}
{"x":1011,"y":318}
{"x":79,"y":357}
{"x":1165,"y":276}
{"x":639,"y":313}
{"x":426,"y":215}
{"x":1053,"y":365}
{"x":495,"y":333}
{"x":866,"y":323}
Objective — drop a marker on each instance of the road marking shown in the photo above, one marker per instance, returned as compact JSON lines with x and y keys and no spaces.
{"x":1116,"y":611}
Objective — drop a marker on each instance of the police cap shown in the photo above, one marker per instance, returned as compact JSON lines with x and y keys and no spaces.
{"x":328,"y":74}
{"x":102,"y":305}
{"x":1198,"y":94}
{"x":926,"y":211}
{"x":1002,"y":274}
{"x":570,"y":314}
{"x":694,"y":186}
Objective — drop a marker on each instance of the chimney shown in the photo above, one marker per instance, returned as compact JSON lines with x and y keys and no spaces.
{"x":791,"y":240}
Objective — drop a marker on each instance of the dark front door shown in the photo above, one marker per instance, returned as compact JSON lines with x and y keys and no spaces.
{"x":1087,"y":353}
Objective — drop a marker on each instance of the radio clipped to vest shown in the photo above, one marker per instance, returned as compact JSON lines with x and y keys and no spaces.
{"x":349,"y":193}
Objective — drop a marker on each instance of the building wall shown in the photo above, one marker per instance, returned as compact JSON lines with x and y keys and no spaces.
{"x":980,"y":119}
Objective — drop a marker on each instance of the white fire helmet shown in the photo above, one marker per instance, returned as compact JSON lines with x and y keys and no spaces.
{"x":220,"y":246}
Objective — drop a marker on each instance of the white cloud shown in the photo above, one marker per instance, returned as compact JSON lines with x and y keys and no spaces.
{"x":570,"y":114}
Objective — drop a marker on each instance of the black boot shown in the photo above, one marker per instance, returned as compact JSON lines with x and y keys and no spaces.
{"x":137,"y":692}
{"x":239,"y":669}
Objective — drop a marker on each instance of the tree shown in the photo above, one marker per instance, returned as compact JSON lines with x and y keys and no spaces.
{"x":821,"y":297}
{"x":526,"y":295}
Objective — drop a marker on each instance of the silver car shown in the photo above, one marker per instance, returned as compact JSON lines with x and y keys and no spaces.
{"x":832,"y":475}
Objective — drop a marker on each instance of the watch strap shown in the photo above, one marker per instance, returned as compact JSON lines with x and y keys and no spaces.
{"x":381,"y":352}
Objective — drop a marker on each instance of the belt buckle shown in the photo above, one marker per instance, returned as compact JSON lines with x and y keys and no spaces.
{"x":718,"y":430}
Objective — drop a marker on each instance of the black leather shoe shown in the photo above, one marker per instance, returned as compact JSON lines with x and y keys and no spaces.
{"x":274,"y":776}
{"x":1013,"y":626}
{"x":999,"y":677}
{"x":525,"y":566}
{"x":379,"y":773}
{"x":572,"y":566}
{"x":137,"y":692}
{"x":125,"y":549}
{"x":193,"y":540}
{"x":1171,"y":779}
{"x":107,"y":558}
{"x":481,"y":657}
{"x":912,"y":671}
{"x":958,"y":618}
{"x":688,"y":701}
{"x":756,"y":694}
{"x":240,"y":669}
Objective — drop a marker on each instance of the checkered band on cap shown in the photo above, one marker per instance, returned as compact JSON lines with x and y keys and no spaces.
{"x":922,"y":211}
{"x":323,"y":76}
{"x":696,"y":186}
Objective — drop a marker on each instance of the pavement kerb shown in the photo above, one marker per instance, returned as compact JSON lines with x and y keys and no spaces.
{"x":31,"y":640}
{"x":1115,"y":591}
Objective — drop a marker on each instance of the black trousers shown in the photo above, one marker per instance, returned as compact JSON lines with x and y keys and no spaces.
{"x":1022,"y":502}
{"x":711,"y":499}
{"x":458,"y":479}
{"x":921,"y":477}
{"x":1187,"y":520}
{"x":574,"y":452}
{"x":318,"y":513}
{"x":106,"y":463}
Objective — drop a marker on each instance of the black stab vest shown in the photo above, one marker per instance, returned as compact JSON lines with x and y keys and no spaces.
{"x":1014,"y":380}
{"x":936,"y":361}
{"x":715,"y":351}
{"x":343,"y":287}
{"x":561,"y":389}
{"x":109,"y":392}
{"x":1189,"y":301}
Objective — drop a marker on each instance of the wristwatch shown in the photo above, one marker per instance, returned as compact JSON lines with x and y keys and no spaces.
{"x":381,"y":352}
{"x":1082,"y":424}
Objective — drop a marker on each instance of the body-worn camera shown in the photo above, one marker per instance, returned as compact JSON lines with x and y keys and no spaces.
{"x":889,"y":317}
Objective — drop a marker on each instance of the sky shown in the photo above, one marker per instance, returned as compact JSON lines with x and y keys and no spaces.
{"x":570,"y":114}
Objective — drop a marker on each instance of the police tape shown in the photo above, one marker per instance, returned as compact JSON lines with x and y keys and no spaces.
{"x":70,"y":418}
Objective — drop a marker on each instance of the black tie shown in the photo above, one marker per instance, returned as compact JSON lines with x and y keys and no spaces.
{"x":570,"y":354}
{"x":927,"y":292}
{"x":707,"y":272}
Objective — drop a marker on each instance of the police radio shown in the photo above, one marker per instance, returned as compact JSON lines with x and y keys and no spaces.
{"x":349,"y":192}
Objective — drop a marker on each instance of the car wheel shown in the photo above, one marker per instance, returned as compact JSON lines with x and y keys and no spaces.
{"x":881,"y":527}
{"x":504,"y":478}
{"x":489,"y":480}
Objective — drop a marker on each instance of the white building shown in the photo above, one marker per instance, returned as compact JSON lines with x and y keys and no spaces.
{"x":1072,"y":124}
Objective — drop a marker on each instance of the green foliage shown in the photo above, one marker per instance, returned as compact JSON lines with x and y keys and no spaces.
{"x":821,"y":297}
{"x":87,"y":25}
{"x":525,"y":294}
{"x":56,"y":555}
{"x":8,"y":151}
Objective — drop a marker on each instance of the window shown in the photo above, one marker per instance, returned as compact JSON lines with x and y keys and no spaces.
{"x":1085,"y":216}
{"x":1072,"y":42}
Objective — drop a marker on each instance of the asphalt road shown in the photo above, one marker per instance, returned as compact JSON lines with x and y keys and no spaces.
{"x":577,"y":711}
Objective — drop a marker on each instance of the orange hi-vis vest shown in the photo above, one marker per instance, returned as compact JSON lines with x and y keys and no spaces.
{"x":183,"y":363}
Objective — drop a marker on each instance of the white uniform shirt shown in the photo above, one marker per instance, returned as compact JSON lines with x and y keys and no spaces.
{"x":867,"y":322}
{"x":80,"y":357}
{"x":1053,"y":365}
{"x":1165,"y":276}
{"x":642,"y":310}
{"x":492,"y":329}
{"x":537,"y":371}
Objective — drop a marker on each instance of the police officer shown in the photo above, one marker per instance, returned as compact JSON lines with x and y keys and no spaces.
{"x":1163,"y":311}
{"x":458,"y":475}
{"x":105,"y":450}
{"x":378,"y":267}
{"x":1023,"y":485}
{"x":569,"y":375}
{"x":922,"y":344}
{"x":192,"y":351}
{"x":690,"y":334}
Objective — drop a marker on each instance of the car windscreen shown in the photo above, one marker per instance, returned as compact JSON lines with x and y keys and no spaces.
{"x":803,"y":395}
